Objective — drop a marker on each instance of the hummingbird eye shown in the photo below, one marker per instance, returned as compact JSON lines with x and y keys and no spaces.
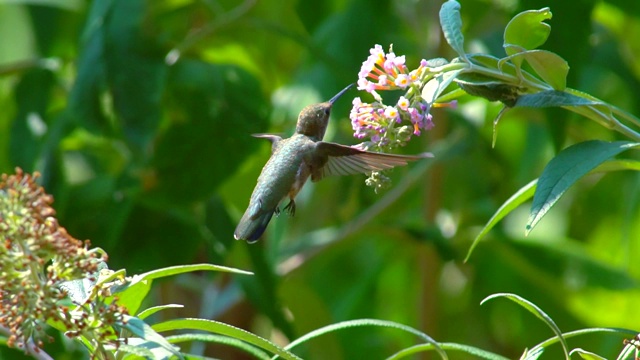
{"x":327,"y":111}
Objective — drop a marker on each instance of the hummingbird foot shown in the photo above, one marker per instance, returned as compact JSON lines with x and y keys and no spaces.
{"x":277,"y":211}
{"x":290,"y":208}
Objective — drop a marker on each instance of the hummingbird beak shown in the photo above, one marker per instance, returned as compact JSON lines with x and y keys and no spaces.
{"x":333,"y":99}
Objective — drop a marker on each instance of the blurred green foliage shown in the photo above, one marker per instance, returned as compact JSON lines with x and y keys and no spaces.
{"x":138,"y":115}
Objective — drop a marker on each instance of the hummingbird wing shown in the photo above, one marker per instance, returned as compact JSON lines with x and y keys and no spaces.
{"x":275,"y":139}
{"x":335,"y":159}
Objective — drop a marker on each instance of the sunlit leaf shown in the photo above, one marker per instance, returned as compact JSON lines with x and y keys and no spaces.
{"x":366,"y":322}
{"x":219,"y":339}
{"x":434,"y":87}
{"x":224,"y":329}
{"x":552,"y":68}
{"x":586,"y":355}
{"x":152,"y":310}
{"x":146,"y":332}
{"x":566,"y":168}
{"x":181,"y":269}
{"x":471,"y":350}
{"x":527,"y":30}
{"x":535,"y":310}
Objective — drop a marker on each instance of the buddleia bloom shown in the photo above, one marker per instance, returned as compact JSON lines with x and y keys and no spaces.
{"x":37,"y":257}
{"x":386,"y":126}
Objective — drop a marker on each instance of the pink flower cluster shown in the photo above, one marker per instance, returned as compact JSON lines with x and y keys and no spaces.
{"x":381,"y":123}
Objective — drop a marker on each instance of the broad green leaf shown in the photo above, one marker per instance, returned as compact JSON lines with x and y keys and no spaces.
{"x":139,"y":351}
{"x":551,"y":68}
{"x":527,"y":30}
{"x":146,"y":332}
{"x":524,"y":194}
{"x":587,"y":355}
{"x":152,"y":310}
{"x":224,"y":329}
{"x":468,"y":349}
{"x":452,"y":26}
{"x":566,"y":168}
{"x":553,"y":98}
{"x":366,"y":322}
{"x":535,"y":310}
{"x":219,"y":339}
{"x":132,"y":296}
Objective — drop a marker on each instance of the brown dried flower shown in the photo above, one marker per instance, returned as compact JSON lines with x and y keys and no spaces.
{"x":37,"y":257}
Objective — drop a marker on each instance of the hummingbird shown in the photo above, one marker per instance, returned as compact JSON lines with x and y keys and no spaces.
{"x":302,"y":155}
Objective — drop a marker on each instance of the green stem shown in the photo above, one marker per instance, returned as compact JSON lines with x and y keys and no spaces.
{"x":592,"y":112}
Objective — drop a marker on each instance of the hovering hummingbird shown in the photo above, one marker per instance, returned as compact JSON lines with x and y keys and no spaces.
{"x":302,"y":155}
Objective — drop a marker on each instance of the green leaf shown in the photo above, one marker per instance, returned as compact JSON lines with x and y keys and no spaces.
{"x":224,"y":329}
{"x":566,"y":168}
{"x":366,"y":322}
{"x":452,"y":26}
{"x":434,"y":87}
{"x":532,"y":354}
{"x":131,"y":295}
{"x":554,"y":98}
{"x":471,"y":350}
{"x":587,"y":355}
{"x":219,"y":339}
{"x":136,"y":350}
{"x":146,"y":332}
{"x":525,"y":193}
{"x":551,"y":68}
{"x":152,"y":310}
{"x":181,"y":269}
{"x":527,"y":30}
{"x":535,"y":310}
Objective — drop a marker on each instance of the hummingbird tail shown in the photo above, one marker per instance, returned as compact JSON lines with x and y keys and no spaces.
{"x":250,"y":229}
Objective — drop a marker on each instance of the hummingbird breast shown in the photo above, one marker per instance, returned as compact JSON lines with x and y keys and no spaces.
{"x":283,"y":175}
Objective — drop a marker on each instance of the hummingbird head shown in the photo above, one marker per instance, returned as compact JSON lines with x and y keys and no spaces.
{"x":313,"y":119}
